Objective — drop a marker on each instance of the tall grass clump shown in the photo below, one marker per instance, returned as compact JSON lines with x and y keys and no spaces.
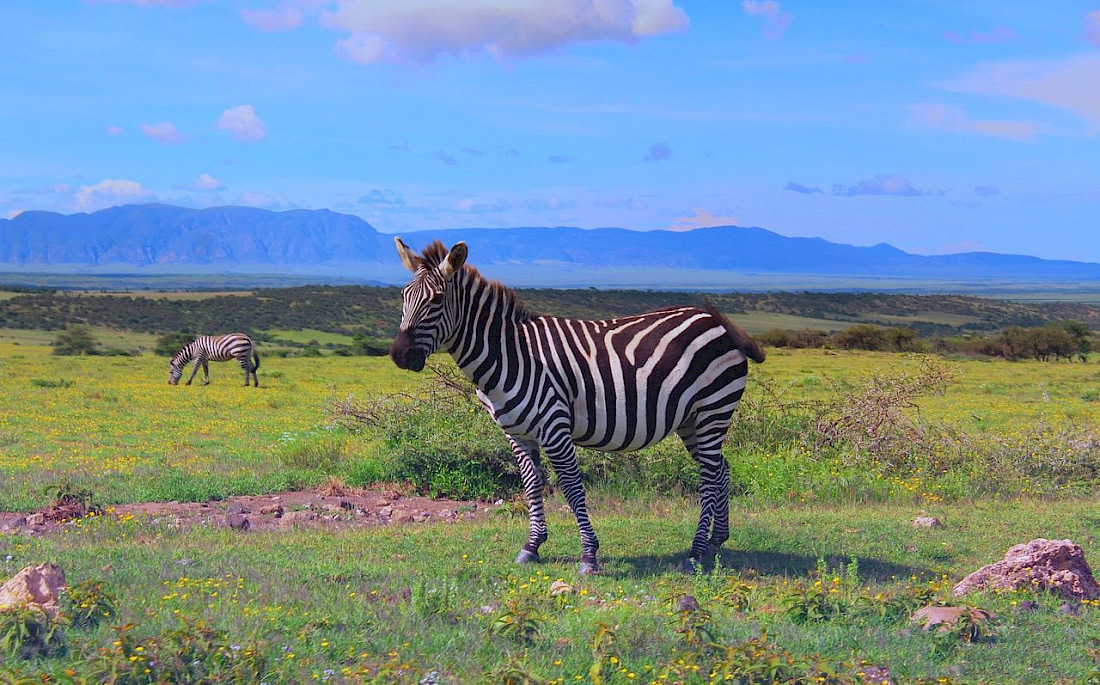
{"x":866,"y":440}
{"x":441,"y":440}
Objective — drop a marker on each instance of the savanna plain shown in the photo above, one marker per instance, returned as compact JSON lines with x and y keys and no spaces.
{"x":833,"y":454}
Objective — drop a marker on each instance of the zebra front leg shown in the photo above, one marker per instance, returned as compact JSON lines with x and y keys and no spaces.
{"x":195,"y":370}
{"x":205,"y":373}
{"x":563,"y":457}
{"x":527,"y":456}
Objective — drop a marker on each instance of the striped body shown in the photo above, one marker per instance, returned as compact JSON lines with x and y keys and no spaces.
{"x":553,"y":383}
{"x":215,"y":348}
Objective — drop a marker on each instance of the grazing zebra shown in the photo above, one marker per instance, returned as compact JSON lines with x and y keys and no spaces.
{"x":555,"y":383}
{"x":215,"y":348}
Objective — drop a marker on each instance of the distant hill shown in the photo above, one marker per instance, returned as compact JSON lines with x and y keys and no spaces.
{"x":248,"y":240}
{"x":156,"y":234}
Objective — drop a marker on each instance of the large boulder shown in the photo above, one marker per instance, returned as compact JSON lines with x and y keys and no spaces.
{"x":35,"y":587}
{"x":1057,"y":566}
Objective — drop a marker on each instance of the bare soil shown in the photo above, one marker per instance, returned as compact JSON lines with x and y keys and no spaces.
{"x":325,"y":507}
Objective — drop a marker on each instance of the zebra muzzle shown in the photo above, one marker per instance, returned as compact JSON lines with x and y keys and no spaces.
{"x":404,"y":355}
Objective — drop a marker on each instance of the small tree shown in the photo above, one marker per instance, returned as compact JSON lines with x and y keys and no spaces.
{"x":1080,"y":333}
{"x":74,"y":341}
{"x":170,"y":343}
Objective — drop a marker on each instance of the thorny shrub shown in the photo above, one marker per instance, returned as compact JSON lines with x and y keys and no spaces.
{"x":878,"y":419}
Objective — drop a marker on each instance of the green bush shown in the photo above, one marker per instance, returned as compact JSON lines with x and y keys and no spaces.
{"x":75,"y":341}
{"x":170,"y":343}
{"x":456,"y":453}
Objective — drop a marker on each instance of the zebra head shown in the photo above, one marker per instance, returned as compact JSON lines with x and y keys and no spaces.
{"x":177,"y":363}
{"x":427,"y":310}
{"x":174,"y":372}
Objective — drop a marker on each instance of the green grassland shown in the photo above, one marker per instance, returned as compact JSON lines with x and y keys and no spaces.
{"x":310,"y":335}
{"x":106,"y":337}
{"x":396,"y":604}
{"x":115,"y":424}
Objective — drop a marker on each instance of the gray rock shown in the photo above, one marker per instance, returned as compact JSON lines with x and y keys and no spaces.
{"x":927,"y":522}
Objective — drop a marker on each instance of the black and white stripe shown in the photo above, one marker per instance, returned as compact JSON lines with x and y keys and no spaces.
{"x":215,"y":348}
{"x":555,"y":383}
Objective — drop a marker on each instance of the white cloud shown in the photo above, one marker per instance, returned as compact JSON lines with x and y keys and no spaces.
{"x":1068,"y":84}
{"x":114,"y":130}
{"x":110,"y":192}
{"x":1092,"y":28}
{"x":424,"y":30}
{"x":165,"y":132}
{"x":943,"y":117}
{"x":241,"y":121}
{"x":999,"y":34}
{"x":14,"y":213}
{"x":171,"y":4}
{"x":206,"y":182}
{"x":278,"y":19}
{"x":264,"y":200}
{"x":702,"y":219}
{"x":776,"y":21}
{"x":883,"y":184}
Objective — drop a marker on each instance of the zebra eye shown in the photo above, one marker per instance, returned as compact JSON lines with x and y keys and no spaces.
{"x":437,"y":298}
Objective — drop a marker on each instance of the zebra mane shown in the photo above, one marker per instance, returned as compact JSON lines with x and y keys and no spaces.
{"x":434,"y":254}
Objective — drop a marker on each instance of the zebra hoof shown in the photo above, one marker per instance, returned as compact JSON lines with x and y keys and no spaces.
{"x":691,"y":566}
{"x":527,"y":557}
{"x":589,"y":568}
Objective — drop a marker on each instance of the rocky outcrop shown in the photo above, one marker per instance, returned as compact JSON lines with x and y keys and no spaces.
{"x":1056,"y":566}
{"x":35,"y":587}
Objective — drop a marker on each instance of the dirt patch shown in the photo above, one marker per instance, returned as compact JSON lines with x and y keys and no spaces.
{"x":325,"y":507}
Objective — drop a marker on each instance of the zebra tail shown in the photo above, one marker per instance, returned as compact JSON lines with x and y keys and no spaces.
{"x":255,"y":359}
{"x":742,"y":340}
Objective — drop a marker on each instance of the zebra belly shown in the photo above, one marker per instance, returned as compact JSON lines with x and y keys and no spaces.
{"x":659,"y":408}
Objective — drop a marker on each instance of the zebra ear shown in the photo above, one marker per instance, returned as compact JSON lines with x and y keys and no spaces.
{"x":409,"y":258}
{"x":454,"y":260}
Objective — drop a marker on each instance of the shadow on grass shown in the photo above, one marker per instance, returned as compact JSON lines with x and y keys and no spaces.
{"x":765,"y":564}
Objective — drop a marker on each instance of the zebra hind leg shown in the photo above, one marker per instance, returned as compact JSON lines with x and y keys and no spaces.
{"x":527,"y":454}
{"x":713,"y":529}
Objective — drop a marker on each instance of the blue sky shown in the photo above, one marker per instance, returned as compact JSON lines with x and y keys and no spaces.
{"x":934,"y":126}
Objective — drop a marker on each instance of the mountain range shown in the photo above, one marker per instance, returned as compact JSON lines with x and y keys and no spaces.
{"x":152,"y":237}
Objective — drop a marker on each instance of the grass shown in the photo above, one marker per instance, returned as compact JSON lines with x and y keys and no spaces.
{"x":114,"y":424}
{"x":106,"y":337}
{"x":396,"y":603}
{"x":310,"y":335}
{"x":758,"y":322}
{"x":426,"y":597}
{"x":120,"y":428}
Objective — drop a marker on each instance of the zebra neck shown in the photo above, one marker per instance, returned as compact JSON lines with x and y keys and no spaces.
{"x":488,"y":314}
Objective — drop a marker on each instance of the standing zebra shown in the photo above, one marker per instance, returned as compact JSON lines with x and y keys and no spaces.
{"x":555,"y":383}
{"x":215,"y":348}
